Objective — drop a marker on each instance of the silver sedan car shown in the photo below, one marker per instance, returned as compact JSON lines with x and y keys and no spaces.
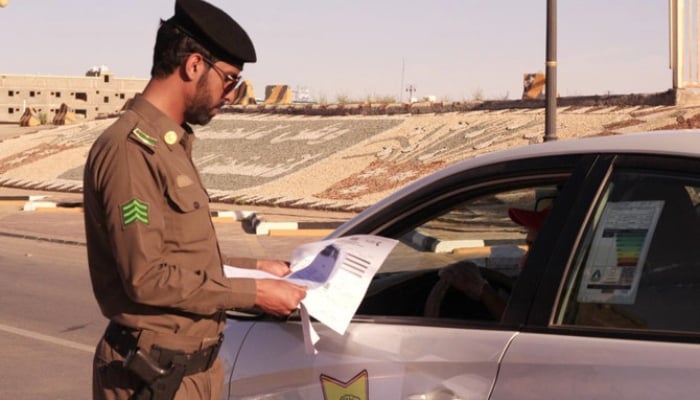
{"x":606,"y":305}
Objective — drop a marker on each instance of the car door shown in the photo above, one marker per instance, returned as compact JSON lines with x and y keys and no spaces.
{"x":615,"y":315}
{"x":370,"y":361}
{"x":392,"y":349}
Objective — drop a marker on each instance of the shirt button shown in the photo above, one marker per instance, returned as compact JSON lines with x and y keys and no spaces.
{"x":196,"y":205}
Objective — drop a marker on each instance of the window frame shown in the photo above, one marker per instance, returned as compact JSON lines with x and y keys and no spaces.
{"x":420,"y":206}
{"x":552,"y":287}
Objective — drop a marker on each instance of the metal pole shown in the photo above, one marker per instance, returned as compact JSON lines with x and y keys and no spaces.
{"x":403,"y":69}
{"x":677,"y":14}
{"x":410,"y":89}
{"x":550,"y":129}
{"x":672,"y":41}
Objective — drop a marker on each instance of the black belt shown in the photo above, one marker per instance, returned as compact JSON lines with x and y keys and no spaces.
{"x":123,"y":340}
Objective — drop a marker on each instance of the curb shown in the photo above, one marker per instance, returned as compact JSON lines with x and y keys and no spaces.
{"x":429,"y":243}
{"x":250,"y":218}
{"x":19,"y":200}
{"x":308,"y":228}
{"x":486,"y":251}
{"x":52,"y":206}
{"x":35,"y":205}
{"x":215,"y":196}
{"x":226,"y":216}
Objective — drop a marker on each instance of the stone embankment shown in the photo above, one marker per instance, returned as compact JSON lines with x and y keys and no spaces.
{"x":341,"y":157}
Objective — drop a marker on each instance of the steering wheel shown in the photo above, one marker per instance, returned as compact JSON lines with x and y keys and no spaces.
{"x":433,"y":303}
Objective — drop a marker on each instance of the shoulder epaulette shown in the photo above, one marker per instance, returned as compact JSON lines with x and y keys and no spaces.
{"x":144,"y":139}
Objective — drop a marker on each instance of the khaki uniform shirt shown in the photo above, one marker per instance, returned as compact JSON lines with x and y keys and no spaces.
{"x":153,"y":254}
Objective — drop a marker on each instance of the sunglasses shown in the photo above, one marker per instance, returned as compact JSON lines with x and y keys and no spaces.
{"x":230,"y":81}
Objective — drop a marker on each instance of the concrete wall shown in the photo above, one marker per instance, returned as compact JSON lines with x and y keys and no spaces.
{"x":88,"y":97}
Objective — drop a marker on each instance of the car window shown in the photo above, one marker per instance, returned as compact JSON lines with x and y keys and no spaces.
{"x":639,"y":263}
{"x":476,"y":229}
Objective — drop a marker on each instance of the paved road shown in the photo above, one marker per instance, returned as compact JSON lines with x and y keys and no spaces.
{"x":49,"y":320}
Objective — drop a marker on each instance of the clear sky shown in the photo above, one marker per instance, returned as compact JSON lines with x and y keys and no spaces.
{"x":452,"y":49}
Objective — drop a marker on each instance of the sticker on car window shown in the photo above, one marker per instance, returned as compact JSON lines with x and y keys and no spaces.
{"x":618,"y":253}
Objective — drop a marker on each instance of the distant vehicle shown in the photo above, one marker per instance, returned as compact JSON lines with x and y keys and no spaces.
{"x":97,"y":71}
{"x":604,"y":307}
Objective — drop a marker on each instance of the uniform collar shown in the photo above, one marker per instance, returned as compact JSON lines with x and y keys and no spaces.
{"x":161,"y":126}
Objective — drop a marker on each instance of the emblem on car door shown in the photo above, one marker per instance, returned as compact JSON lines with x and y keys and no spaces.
{"x":356,"y":388}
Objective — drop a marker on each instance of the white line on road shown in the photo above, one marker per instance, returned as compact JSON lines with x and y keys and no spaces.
{"x":47,"y":338}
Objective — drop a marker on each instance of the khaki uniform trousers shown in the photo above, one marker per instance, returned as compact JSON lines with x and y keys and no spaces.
{"x":110,"y":381}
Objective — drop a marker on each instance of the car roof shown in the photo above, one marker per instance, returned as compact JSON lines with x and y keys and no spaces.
{"x":684,"y":143}
{"x":669,"y":142}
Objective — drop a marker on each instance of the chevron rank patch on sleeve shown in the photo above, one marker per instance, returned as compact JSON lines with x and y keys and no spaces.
{"x":134,"y":210}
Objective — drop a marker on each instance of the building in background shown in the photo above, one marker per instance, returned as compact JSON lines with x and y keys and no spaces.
{"x":97,"y":94}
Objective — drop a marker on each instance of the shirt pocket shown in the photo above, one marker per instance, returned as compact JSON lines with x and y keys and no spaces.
{"x":190,"y":221}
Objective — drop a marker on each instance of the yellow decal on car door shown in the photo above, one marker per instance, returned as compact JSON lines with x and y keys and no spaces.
{"x":356,"y":388}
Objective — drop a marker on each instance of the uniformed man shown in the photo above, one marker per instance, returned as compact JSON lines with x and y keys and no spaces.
{"x":155,"y":263}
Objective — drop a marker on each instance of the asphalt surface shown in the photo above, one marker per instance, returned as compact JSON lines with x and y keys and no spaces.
{"x":49,"y":320}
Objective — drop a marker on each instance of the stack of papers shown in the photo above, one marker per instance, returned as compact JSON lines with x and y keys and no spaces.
{"x":336,"y":272}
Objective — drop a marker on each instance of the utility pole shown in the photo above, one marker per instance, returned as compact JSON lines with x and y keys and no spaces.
{"x":410,"y":89}
{"x":676,"y":14}
{"x":550,"y":128}
{"x":403,"y":70}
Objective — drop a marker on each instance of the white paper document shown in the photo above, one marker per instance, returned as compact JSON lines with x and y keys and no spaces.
{"x":337,"y":273}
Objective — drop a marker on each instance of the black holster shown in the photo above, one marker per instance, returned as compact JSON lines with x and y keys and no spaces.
{"x":160,"y":370}
{"x":158,"y":383}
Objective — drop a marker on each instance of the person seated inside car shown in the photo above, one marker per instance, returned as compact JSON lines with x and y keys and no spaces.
{"x":465,"y":275}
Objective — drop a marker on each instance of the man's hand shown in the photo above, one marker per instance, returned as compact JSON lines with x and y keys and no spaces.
{"x":278,"y":297}
{"x":275,"y":267}
{"x":464,"y":276}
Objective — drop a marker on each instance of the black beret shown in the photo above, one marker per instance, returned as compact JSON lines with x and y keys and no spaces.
{"x":215,"y":30}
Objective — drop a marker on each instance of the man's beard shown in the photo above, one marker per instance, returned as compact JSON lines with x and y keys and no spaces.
{"x":198,"y":110}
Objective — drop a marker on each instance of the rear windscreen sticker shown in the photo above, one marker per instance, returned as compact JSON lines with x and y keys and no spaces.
{"x":618,"y":253}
